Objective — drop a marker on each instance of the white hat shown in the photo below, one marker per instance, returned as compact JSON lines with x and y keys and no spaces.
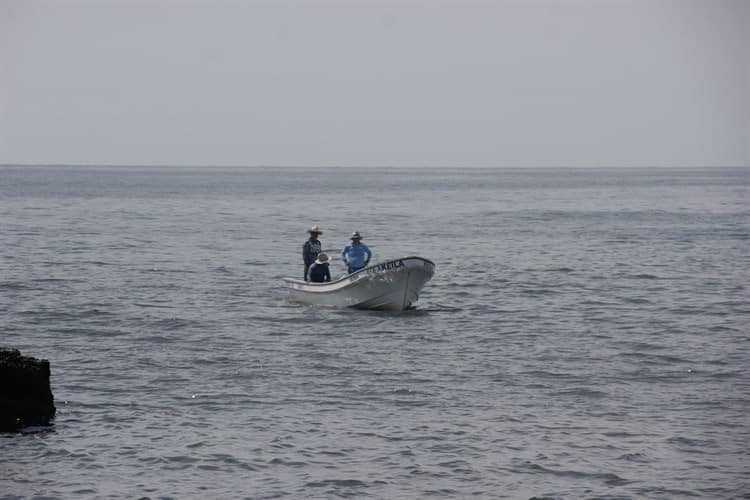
{"x":322,"y":258}
{"x":356,"y":235}
{"x":315,"y":229}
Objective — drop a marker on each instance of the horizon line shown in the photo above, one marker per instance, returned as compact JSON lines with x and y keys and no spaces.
{"x":442,"y":167}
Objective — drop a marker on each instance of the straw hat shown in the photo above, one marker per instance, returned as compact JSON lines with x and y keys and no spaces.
{"x":356,"y":235}
{"x":322,"y":258}
{"x":315,"y":229}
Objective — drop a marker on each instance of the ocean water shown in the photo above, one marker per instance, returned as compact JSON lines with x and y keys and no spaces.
{"x":585,"y":334}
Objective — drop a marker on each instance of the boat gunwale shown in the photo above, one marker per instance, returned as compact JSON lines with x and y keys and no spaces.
{"x":359,"y":271}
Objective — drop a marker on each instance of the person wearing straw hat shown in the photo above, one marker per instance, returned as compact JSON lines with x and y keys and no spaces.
{"x":357,"y":255}
{"x":319,"y":272}
{"x":311,"y":248}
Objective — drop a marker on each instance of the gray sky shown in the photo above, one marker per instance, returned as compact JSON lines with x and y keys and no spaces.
{"x":416,"y":83}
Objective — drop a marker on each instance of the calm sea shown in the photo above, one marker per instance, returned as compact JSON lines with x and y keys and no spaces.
{"x":586,"y":334}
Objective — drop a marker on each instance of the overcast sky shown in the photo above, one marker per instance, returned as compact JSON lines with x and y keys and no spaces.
{"x":415,"y":83}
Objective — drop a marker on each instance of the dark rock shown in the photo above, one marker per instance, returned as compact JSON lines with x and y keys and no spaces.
{"x":25,"y":394}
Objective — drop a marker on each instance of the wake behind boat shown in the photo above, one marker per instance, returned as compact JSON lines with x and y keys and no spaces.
{"x":393,"y":285}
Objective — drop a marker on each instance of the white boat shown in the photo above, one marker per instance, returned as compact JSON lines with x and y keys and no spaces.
{"x":393,"y":285}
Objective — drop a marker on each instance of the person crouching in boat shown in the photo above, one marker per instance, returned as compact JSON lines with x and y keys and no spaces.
{"x":319,"y":272}
{"x":357,"y":255}
{"x":311,"y":248}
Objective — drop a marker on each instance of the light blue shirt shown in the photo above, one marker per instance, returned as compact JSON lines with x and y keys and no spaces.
{"x":356,"y":255}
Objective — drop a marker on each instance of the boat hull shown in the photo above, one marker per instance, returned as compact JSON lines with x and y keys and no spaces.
{"x":393,"y":285}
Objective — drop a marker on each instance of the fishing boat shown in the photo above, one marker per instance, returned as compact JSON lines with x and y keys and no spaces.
{"x":393,"y":285}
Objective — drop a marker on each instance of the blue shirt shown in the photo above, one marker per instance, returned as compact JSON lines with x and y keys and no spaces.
{"x":319,"y":273}
{"x":357,"y":255}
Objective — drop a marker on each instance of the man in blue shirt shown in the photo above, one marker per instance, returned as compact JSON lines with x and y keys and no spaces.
{"x":357,"y":255}
{"x":319,"y":272}
{"x":311,"y":248}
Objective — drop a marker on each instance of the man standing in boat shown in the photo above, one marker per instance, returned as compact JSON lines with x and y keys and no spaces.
{"x":357,"y":255}
{"x":311,"y":248}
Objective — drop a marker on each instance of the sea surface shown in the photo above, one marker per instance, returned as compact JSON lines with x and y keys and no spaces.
{"x":586,"y":334}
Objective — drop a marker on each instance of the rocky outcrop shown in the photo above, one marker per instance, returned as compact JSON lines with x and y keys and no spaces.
{"x":25,"y":394}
